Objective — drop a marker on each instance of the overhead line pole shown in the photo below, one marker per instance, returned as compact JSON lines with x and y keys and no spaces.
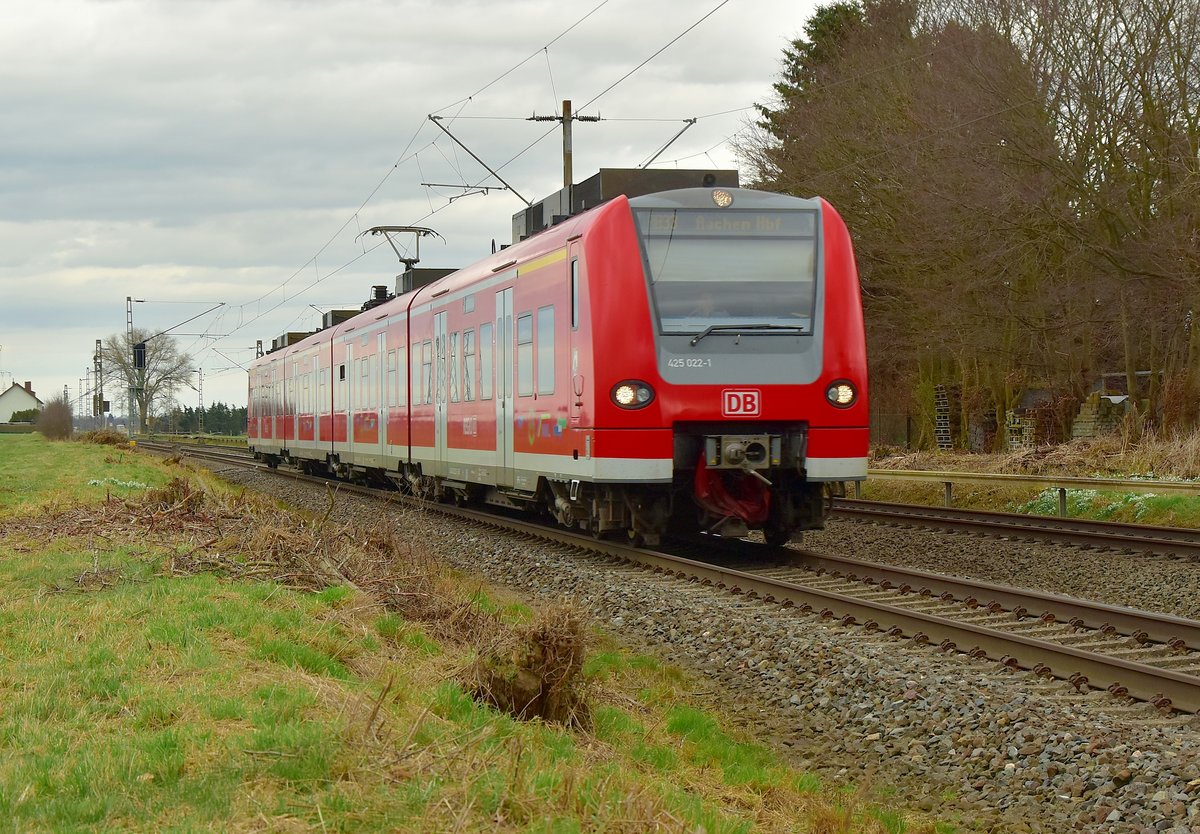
{"x":566,"y":118}
{"x":98,"y":409}
{"x":133,"y":385}
{"x":568,"y":151}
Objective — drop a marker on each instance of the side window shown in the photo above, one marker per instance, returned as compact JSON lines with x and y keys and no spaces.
{"x":374,"y":382}
{"x":485,"y":361}
{"x":468,"y":371}
{"x":525,"y":355}
{"x":454,"y":367}
{"x":417,"y":397}
{"x":574,"y":293}
{"x":364,"y":391}
{"x":402,"y":381}
{"x":389,"y":392}
{"x":545,"y":350}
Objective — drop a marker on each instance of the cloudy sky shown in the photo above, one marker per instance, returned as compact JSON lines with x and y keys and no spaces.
{"x":198,"y":152}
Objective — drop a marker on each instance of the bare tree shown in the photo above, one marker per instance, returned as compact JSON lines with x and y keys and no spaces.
{"x":1022,"y":180}
{"x":1120,"y":79}
{"x":909,"y":132}
{"x":166,"y":370}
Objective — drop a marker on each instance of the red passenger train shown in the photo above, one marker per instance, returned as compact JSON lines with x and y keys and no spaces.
{"x":692,"y":358}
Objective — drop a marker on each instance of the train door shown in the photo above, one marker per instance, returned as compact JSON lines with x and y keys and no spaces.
{"x":380,"y":395}
{"x":293,"y":422}
{"x":504,"y":388}
{"x":275,"y":395}
{"x":439,"y":392}
{"x":573,"y":333}
{"x":349,"y":400}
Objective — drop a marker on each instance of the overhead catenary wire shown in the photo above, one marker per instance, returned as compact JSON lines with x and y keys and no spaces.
{"x":404,"y":154}
{"x":463,"y":102}
{"x":613,"y":85}
{"x":404,"y":157}
{"x":290,"y":294}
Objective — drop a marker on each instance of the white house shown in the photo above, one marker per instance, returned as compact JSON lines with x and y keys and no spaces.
{"x":17,"y":398}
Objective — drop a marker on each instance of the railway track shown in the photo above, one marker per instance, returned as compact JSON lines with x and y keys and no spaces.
{"x":1142,"y":655}
{"x":1168,"y":541}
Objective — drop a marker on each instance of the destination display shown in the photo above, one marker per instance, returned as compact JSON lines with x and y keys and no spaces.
{"x":726,"y":223}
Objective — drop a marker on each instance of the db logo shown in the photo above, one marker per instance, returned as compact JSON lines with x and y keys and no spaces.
{"x":747,"y":403}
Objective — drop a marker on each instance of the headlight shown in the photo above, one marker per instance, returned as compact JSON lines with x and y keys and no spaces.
{"x":632,"y":394}
{"x":841,"y":394}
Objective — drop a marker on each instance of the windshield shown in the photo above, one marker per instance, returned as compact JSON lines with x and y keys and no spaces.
{"x":730,"y":267}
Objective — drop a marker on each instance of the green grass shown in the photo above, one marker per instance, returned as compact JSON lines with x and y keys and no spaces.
{"x":740,"y":763}
{"x":1169,"y":458}
{"x":1172,"y":510}
{"x":195,"y":703}
{"x":35,"y":471}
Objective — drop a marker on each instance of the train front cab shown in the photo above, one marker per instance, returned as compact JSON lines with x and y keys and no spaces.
{"x":749,"y":378}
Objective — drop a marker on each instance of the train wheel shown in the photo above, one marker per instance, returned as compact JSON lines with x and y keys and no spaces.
{"x":777,"y":536}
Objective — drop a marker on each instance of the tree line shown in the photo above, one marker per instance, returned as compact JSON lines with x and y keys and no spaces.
{"x":1022,"y":182}
{"x":218,"y":418}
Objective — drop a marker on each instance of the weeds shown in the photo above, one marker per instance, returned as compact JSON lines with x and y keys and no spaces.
{"x":1169,"y":456}
{"x":103,"y":437}
{"x":533,"y":671}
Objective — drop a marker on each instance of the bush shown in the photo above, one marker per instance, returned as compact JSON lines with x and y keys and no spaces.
{"x":26,"y":416}
{"x":55,"y":421}
{"x":104,"y":437}
{"x":533,"y":671}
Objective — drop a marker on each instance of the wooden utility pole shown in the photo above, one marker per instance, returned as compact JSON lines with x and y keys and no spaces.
{"x":568,"y":116}
{"x":568,"y":177}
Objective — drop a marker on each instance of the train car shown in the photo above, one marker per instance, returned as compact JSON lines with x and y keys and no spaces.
{"x":691,"y":359}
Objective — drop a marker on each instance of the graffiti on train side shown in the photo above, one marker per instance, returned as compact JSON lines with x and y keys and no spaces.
{"x":540,"y":424}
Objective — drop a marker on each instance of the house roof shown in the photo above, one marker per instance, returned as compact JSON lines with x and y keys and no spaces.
{"x":23,"y":390}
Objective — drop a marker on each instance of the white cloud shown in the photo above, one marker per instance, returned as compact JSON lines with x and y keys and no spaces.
{"x":192,"y":151}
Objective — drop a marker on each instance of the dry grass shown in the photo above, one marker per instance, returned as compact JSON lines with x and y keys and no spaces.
{"x":1117,"y":455}
{"x":533,"y":671}
{"x":103,"y":437}
{"x":526,"y":671}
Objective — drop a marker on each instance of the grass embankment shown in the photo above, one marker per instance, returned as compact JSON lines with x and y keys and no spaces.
{"x":171,"y":659}
{"x":1150,"y":458}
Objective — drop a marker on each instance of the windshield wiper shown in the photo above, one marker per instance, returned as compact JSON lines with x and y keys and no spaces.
{"x":712,"y":327}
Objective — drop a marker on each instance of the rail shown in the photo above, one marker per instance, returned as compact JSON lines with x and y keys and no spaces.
{"x":1086,"y":669}
{"x":1176,"y":541}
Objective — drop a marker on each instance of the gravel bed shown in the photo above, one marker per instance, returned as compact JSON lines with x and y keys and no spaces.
{"x":968,"y":741}
{"x":1136,"y":580}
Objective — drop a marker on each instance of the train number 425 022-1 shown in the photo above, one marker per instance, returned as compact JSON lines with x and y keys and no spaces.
{"x":681,"y":362}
